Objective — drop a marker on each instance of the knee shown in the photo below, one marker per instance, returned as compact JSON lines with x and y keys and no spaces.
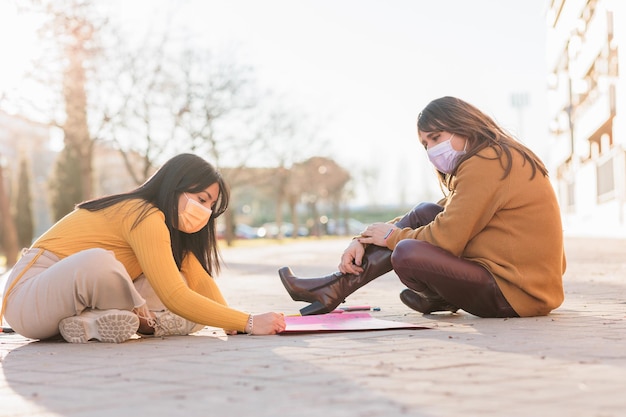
{"x":95,"y":264}
{"x":429,"y":210}
{"x":95,"y":255}
{"x":421,"y":214}
{"x":404,"y":259}
{"x":425,"y":205}
{"x":407,"y":252}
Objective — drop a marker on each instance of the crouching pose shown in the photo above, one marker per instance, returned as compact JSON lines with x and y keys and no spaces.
{"x":493,"y":246}
{"x":140,"y":261}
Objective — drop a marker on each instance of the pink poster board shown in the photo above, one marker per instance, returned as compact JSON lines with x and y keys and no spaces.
{"x":341,"y":322}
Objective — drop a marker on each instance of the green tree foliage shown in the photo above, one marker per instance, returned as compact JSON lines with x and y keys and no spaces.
{"x":23,"y":208}
{"x":66,"y":185}
{"x":8,"y":235}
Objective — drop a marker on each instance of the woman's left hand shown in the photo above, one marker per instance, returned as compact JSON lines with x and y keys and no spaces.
{"x":376,"y":234}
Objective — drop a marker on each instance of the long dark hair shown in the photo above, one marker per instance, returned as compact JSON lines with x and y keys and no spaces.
{"x":456,"y":116}
{"x":183,"y":173}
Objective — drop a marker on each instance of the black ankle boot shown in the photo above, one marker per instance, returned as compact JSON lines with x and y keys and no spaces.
{"x":326,"y":293}
{"x":425,"y":304}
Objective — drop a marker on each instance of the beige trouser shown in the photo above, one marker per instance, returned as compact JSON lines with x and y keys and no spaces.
{"x":52,"y":289}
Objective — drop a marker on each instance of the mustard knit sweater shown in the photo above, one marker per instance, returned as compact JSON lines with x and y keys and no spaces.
{"x":145,"y":249}
{"x":511,"y":226}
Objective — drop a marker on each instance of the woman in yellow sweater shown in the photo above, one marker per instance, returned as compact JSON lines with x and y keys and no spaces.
{"x":90,"y":275}
{"x":492,"y":247}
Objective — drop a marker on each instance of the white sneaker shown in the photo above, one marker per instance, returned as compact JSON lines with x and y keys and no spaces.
{"x":169,"y":324}
{"x":111,"y":326}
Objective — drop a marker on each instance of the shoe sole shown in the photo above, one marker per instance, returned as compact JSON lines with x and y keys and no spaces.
{"x":169,"y":324}
{"x":111,"y":327}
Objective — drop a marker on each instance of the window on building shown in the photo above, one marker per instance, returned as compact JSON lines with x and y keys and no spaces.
{"x":605,"y":179}
{"x":571,"y":194}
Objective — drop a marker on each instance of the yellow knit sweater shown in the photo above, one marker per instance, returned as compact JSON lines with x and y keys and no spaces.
{"x":511,"y":226}
{"x":145,"y":249}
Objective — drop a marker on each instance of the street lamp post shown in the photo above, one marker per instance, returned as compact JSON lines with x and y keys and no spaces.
{"x":519,"y":101}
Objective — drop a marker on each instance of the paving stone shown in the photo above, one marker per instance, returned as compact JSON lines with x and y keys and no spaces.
{"x":571,"y":363}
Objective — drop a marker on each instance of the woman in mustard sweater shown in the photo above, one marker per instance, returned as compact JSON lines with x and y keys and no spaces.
{"x":492,"y":247}
{"x":139,"y":261}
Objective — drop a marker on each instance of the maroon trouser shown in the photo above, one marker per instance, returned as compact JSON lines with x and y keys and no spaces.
{"x":428,"y":269}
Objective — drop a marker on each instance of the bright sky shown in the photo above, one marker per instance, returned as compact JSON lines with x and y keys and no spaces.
{"x":363,"y":68}
{"x":17,"y":45}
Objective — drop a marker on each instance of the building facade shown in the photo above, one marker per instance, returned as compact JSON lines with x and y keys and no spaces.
{"x":587,"y":104}
{"x":23,"y":139}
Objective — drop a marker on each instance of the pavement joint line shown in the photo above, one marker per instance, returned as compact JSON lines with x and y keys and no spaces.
{"x":570,"y":363}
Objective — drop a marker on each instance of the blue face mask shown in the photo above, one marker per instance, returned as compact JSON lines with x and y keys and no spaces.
{"x":444,"y":157}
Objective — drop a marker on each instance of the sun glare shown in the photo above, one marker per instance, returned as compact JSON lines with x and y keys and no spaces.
{"x":17,"y":46}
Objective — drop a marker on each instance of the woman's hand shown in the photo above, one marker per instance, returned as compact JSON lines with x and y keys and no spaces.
{"x":352,"y":258}
{"x":267,"y":323}
{"x":377,"y":234}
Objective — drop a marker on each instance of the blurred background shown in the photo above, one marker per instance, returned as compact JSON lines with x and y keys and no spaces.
{"x":308,"y":108}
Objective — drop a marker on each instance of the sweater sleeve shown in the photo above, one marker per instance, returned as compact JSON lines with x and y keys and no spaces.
{"x":199,"y":281}
{"x":150,"y":242}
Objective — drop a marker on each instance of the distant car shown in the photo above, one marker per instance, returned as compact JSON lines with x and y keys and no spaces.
{"x":338,"y":227}
{"x":271,"y":230}
{"x":244,"y":231}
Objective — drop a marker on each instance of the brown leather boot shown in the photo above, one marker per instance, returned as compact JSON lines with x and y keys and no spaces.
{"x":326,"y":293}
{"x":425,"y":303}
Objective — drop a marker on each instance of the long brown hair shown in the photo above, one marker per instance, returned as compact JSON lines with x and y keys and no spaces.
{"x":456,"y":116}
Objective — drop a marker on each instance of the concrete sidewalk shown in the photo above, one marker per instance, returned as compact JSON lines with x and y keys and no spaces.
{"x":571,"y":363}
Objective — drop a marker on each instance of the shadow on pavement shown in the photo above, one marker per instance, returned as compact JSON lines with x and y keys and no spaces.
{"x":186,"y":376}
{"x":571,"y":362}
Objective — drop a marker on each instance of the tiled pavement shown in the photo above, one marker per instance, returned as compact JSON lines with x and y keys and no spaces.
{"x":571,"y":363}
